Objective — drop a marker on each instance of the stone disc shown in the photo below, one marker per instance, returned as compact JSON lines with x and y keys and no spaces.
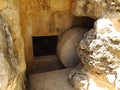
{"x":67,"y":46}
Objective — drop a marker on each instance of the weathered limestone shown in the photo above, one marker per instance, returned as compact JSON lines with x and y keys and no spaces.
{"x":12,"y":62}
{"x":95,"y":8}
{"x":99,"y":51}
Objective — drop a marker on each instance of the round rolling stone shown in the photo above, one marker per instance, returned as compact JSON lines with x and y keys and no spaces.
{"x":67,"y":46}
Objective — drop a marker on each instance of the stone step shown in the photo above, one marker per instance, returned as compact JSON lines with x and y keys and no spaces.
{"x":54,"y":80}
{"x":45,"y":64}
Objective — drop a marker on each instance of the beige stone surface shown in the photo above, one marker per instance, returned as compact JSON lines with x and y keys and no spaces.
{"x":54,"y":80}
{"x":12,"y":60}
{"x":99,"y":51}
{"x":53,"y":17}
{"x":43,"y":18}
{"x":67,"y":46}
{"x":95,"y":8}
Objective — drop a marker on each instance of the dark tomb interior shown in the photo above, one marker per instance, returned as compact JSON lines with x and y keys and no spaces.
{"x":44,"y":45}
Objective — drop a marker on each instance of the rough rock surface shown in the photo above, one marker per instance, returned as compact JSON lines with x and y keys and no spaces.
{"x":12,"y":61}
{"x":95,"y":8}
{"x":99,"y":51}
{"x":10,"y":76}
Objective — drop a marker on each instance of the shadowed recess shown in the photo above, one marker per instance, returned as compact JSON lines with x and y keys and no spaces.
{"x":83,"y":22}
{"x":44,"y":45}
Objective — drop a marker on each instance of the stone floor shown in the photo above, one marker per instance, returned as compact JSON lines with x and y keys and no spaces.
{"x":47,"y":73}
{"x":45,"y":64}
{"x":54,"y":80}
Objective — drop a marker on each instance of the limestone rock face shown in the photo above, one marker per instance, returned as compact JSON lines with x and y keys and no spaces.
{"x":95,"y":8}
{"x":99,"y":51}
{"x":10,"y":75}
{"x":12,"y":61}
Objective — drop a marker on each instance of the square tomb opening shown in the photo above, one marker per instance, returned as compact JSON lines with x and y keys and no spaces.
{"x":44,"y":45}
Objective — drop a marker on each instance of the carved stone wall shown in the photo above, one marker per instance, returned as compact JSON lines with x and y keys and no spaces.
{"x":43,"y":18}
